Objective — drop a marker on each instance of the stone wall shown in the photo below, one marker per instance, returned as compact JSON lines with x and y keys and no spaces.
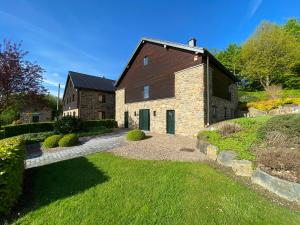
{"x":44,"y":115}
{"x":90,"y":106}
{"x":188,"y":105}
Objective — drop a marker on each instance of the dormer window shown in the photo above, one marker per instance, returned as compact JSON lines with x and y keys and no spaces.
{"x":146,"y":60}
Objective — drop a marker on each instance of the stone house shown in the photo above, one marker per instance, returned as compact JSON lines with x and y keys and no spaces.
{"x":36,"y":114}
{"x":89,"y":97}
{"x":174,"y":88}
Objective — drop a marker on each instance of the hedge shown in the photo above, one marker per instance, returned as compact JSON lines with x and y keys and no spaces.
{"x":52,"y":141}
{"x":108,"y":123}
{"x":14,"y":130}
{"x":12,"y":156}
{"x":68,"y":140}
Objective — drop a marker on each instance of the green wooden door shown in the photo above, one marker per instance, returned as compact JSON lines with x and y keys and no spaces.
{"x":144,"y":119}
{"x":171,"y":121}
{"x":126,"y":119}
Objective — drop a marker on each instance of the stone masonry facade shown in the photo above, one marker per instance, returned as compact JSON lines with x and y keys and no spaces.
{"x":189,"y":104}
{"x":91,"y":108}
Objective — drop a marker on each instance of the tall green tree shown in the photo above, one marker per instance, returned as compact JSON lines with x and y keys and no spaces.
{"x":292,"y":26}
{"x":231,"y":58}
{"x":269,"y":55}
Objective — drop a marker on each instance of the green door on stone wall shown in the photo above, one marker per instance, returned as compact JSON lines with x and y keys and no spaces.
{"x":171,"y":121}
{"x":144,"y":119}
{"x":126,"y":119}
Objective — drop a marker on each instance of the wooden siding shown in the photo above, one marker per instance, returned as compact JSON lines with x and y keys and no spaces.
{"x":158,"y":74}
{"x":220,"y":84}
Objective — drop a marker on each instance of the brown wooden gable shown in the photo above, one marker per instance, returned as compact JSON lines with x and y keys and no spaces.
{"x":158,"y":74}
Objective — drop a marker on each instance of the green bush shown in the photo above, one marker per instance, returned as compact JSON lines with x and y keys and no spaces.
{"x":135,"y":135}
{"x":12,"y":156}
{"x":2,"y":134}
{"x":32,"y":138}
{"x":52,"y":141}
{"x":67,"y":124}
{"x":68,"y":140}
{"x":288,"y":125}
{"x":14,"y":130}
{"x":8,"y":115}
{"x":97,"y":123}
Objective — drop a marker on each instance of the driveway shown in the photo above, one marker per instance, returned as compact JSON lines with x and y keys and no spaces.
{"x":89,"y":145}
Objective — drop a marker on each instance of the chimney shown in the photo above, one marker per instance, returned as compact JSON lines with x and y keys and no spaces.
{"x":192,"y":42}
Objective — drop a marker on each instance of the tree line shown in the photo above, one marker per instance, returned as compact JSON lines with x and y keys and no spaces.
{"x":270,"y":56}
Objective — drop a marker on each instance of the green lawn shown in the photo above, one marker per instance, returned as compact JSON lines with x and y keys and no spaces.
{"x":242,"y":141}
{"x":105,"y":189}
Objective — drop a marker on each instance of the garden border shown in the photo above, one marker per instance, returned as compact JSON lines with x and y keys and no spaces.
{"x":285,"y":189}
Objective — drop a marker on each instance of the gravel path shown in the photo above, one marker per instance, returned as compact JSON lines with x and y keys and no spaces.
{"x":161,"y":147}
{"x":90,"y":145}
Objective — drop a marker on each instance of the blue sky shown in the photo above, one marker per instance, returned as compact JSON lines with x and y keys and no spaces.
{"x":98,"y":37}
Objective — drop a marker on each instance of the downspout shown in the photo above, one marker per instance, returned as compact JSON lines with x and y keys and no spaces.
{"x":207,"y":90}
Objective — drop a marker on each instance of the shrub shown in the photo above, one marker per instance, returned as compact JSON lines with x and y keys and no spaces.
{"x":273,"y":103}
{"x":274,"y":91}
{"x":228,"y":129}
{"x":288,"y":125}
{"x":98,"y":123}
{"x":67,"y":124}
{"x":52,"y":141}
{"x":13,"y":130}
{"x":12,"y":155}
{"x":8,"y":115}
{"x":68,"y":140}
{"x":36,"y":137}
{"x":135,"y":135}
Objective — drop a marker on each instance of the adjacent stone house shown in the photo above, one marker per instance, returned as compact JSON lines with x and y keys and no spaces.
{"x":174,"y":88}
{"x":89,"y":97}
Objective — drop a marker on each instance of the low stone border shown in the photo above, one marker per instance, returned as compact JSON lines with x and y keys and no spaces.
{"x":285,"y":189}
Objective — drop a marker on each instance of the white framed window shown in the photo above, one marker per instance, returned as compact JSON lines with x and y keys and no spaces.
{"x":101,"y":98}
{"x":146,"y":60}
{"x":146,"y":92}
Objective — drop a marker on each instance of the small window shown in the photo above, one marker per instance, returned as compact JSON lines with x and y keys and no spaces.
{"x":154,"y":113}
{"x":214,"y":111}
{"x":134,"y":113}
{"x":225,"y":112}
{"x":101,"y":115}
{"x":101,"y":98}
{"x":146,"y":91}
{"x":146,"y":60}
{"x":73,"y":97}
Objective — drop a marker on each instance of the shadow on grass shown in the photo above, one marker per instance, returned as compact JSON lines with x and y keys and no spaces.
{"x":47,"y":184}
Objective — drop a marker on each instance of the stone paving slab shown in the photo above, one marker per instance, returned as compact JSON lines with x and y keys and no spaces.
{"x":96,"y":144}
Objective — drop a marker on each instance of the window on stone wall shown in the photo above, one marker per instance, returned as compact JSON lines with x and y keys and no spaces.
{"x":154,"y":113}
{"x":225,"y":112}
{"x":214,"y":111}
{"x":73,"y":97}
{"x":101,"y":98}
{"x":101,"y":115}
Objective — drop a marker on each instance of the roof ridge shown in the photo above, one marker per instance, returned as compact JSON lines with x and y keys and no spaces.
{"x":84,"y":74}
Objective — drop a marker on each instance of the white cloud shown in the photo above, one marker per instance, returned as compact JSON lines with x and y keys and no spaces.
{"x":254,"y":5}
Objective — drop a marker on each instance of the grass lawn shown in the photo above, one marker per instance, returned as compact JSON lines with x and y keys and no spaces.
{"x":106,"y":189}
{"x":242,"y":141}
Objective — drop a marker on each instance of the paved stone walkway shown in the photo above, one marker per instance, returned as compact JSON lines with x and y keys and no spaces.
{"x":96,"y":144}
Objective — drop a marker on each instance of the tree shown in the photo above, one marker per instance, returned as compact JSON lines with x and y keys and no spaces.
{"x":269,"y":55}
{"x":292,"y":26}
{"x":231,"y":58}
{"x":17,"y":75}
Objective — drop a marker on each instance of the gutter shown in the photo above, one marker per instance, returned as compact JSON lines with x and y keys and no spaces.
{"x":207,"y":90}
